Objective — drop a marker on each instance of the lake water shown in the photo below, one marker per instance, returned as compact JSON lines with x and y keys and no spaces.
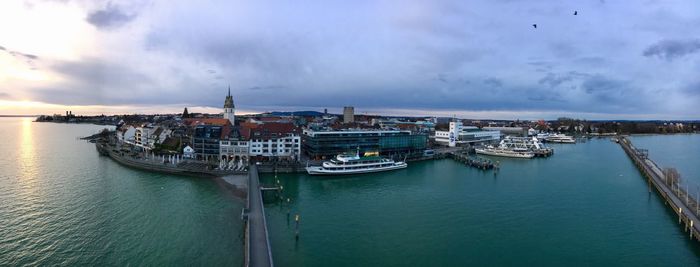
{"x":62,"y":204}
{"x":585,"y":206}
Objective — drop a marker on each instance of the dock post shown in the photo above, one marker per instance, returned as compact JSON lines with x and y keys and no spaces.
{"x":691,"y":230}
{"x":680,"y":213}
{"x":296,"y":231}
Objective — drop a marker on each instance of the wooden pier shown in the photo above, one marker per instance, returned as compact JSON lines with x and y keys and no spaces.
{"x":667,"y":183}
{"x":479,"y":163}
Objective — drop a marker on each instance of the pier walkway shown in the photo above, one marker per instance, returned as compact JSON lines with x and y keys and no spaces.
{"x":684,"y":205}
{"x":258,"y":252}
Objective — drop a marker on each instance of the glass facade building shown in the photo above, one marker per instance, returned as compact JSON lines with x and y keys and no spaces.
{"x":205,"y":141}
{"x":319,"y":144}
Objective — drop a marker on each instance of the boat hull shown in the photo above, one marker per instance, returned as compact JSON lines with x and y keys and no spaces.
{"x":321,"y":171}
{"x":562,"y":141}
{"x":508,"y":155}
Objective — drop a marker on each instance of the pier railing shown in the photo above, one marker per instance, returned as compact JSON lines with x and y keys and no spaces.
{"x":668,"y":184}
{"x":685,"y":190}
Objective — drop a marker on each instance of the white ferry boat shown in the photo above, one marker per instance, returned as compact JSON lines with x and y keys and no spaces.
{"x":506,"y":152}
{"x":354,"y":164}
{"x":560,"y":138}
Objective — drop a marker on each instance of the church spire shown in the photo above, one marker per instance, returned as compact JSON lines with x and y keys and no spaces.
{"x":229,"y":90}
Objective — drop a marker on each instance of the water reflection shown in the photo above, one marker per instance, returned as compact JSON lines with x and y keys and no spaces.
{"x":27,"y":155}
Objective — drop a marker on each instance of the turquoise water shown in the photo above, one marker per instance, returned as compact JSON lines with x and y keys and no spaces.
{"x":585,"y":206}
{"x":680,"y":151}
{"x":63,"y":205}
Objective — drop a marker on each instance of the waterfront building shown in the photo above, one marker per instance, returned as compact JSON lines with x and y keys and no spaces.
{"x":188,"y":152}
{"x":321,"y":143}
{"x":273,"y":140}
{"x":206,"y":139}
{"x":126,"y":134}
{"x":459,"y":134}
{"x":348,"y":114}
{"x":234,"y":149}
{"x":507,"y":130}
{"x":229,"y":108}
{"x":147,"y":137}
{"x":207,"y":135}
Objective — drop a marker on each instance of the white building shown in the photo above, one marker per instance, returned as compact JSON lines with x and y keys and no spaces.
{"x":459,"y":134}
{"x":126,"y":134}
{"x":188,"y":152}
{"x":147,"y":137}
{"x":234,"y":149}
{"x":283,"y":146}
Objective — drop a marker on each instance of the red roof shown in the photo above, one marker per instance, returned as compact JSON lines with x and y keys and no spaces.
{"x":207,"y":121}
{"x":267,"y":131}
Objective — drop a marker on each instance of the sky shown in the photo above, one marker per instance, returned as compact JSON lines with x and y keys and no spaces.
{"x":483,"y":59}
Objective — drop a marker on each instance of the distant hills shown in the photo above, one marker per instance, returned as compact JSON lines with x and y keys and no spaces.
{"x":296,"y":113}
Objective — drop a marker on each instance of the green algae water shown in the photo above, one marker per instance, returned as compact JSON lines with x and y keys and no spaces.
{"x":63,"y":205}
{"x":585,"y":206}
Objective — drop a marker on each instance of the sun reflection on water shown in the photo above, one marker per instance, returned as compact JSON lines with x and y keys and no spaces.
{"x":27,"y":156}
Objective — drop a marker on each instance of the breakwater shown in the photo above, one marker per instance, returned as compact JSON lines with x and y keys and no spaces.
{"x":667,"y":184}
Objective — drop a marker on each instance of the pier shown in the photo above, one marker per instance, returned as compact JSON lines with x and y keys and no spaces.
{"x":666,"y":182}
{"x":464,"y":157}
{"x":257,"y":241}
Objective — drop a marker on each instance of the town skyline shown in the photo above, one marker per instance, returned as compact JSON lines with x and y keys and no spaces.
{"x":479,"y":60}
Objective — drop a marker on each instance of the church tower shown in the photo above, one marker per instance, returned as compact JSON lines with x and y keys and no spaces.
{"x":229,"y":108}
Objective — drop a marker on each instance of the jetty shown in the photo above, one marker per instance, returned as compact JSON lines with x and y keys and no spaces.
{"x":257,"y":241}
{"x":667,"y":184}
{"x":476,"y":162}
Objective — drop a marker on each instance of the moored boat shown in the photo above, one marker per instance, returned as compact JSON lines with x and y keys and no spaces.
{"x":505,"y":152}
{"x":560,"y":138}
{"x":355,"y":164}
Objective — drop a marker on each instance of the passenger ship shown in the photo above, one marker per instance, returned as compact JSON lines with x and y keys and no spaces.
{"x":560,"y":138}
{"x":506,"y":152}
{"x":354,"y":164}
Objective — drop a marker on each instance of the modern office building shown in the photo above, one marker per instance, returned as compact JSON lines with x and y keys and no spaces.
{"x":348,"y":114}
{"x":460,"y":135}
{"x":324,"y":144}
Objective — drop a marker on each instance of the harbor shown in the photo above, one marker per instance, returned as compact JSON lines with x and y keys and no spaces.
{"x":588,"y":215}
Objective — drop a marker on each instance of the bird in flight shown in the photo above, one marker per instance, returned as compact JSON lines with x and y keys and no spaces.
{"x":575,"y":13}
{"x":534,"y":26}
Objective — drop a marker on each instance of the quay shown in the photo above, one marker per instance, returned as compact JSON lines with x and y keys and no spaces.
{"x":667,"y":186}
{"x":257,"y":241}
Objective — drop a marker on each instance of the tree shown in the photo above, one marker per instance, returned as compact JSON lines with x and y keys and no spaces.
{"x":185,"y":114}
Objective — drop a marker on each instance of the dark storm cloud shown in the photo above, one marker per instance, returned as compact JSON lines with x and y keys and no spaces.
{"x":672,"y":49}
{"x":111,"y":16}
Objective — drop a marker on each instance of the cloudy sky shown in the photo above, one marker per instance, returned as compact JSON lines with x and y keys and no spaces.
{"x":480,"y":59}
